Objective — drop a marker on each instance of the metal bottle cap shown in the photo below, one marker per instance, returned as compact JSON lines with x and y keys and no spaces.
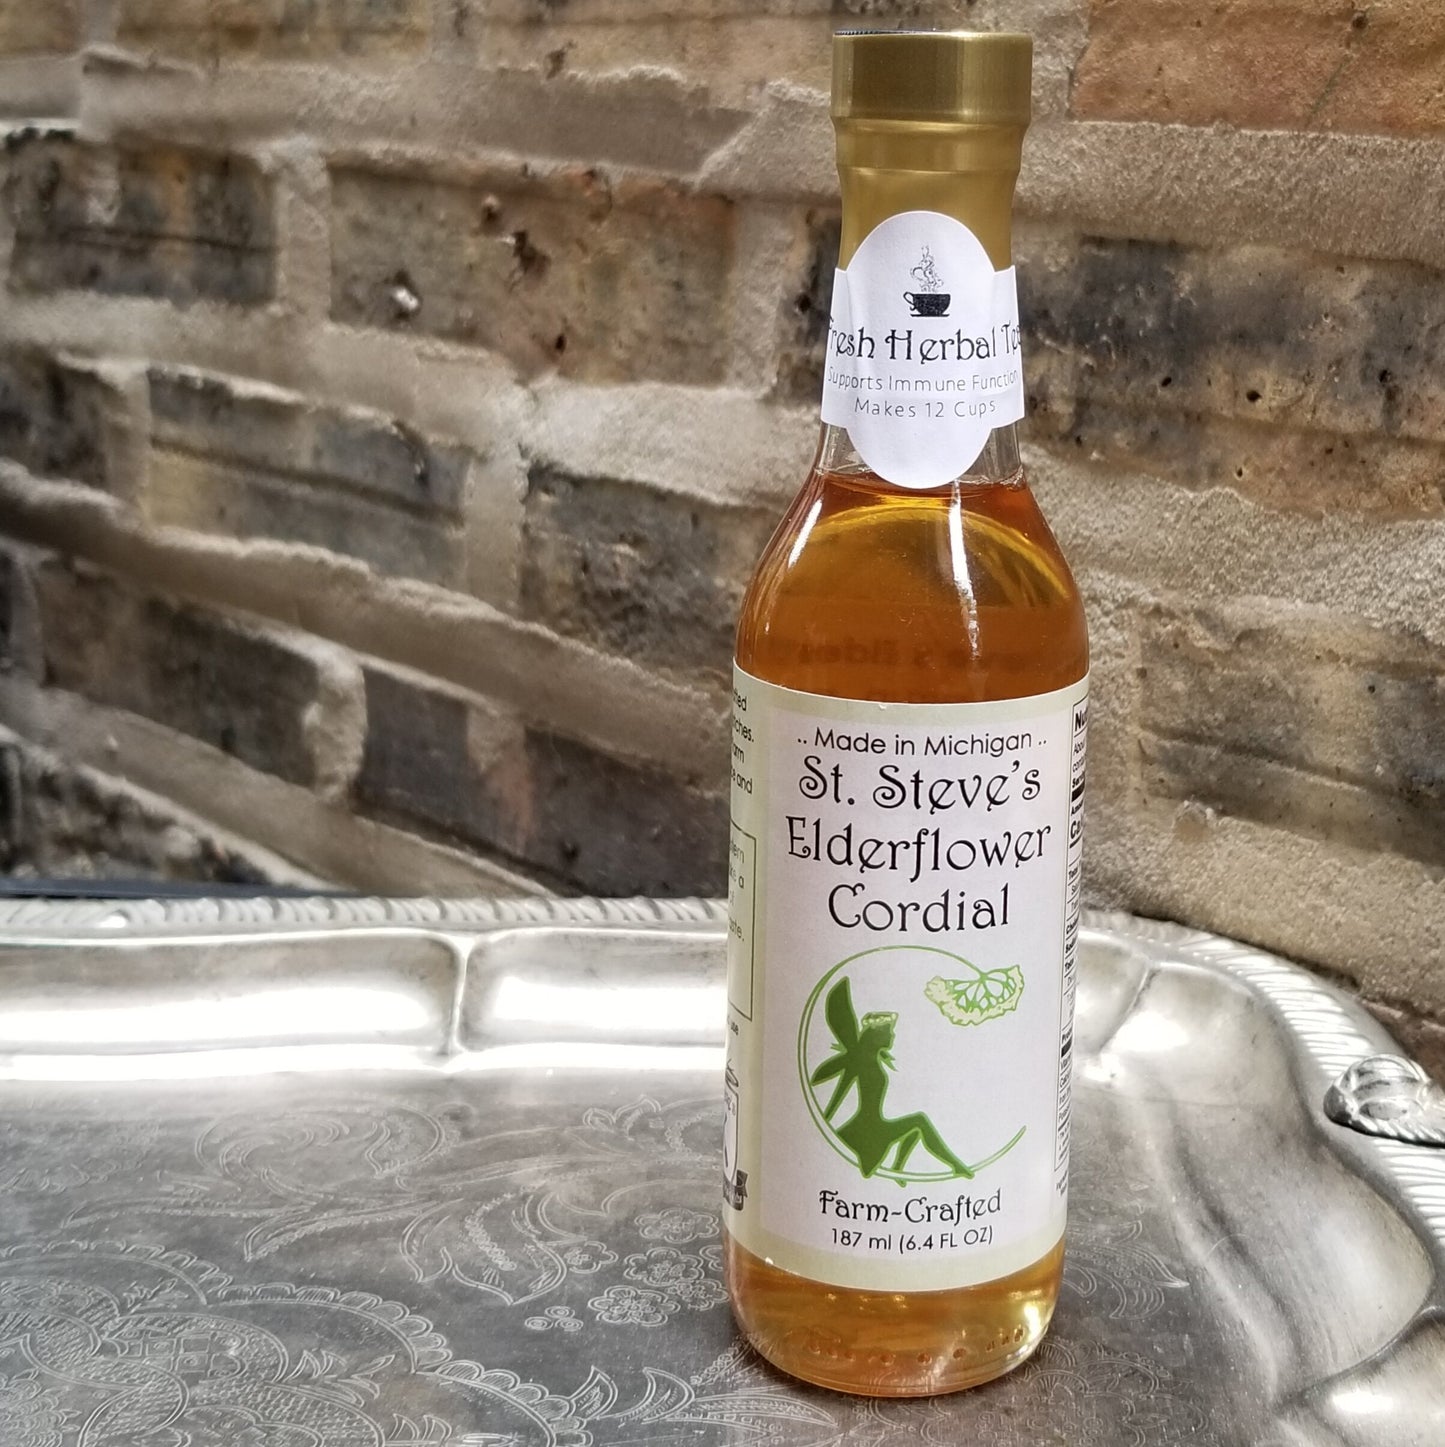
{"x":958,"y":77}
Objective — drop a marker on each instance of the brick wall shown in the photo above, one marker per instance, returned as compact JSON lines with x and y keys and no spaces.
{"x":394,"y":395}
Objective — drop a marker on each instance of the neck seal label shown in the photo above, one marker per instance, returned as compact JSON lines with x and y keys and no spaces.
{"x":924,"y":358}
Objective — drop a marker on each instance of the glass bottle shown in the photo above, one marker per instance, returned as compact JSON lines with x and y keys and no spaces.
{"x":908,"y":734}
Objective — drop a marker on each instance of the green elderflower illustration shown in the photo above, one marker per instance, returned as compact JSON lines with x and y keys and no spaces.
{"x":987,"y":996}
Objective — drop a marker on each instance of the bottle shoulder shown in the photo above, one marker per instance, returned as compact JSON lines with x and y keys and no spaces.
{"x":951,"y":595}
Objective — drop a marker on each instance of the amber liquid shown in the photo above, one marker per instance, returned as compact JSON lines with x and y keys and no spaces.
{"x":954,"y":595}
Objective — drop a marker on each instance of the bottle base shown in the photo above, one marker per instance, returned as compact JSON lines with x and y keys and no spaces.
{"x":877,"y":1344}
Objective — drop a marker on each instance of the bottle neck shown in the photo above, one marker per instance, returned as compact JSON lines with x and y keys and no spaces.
{"x":998,"y":462}
{"x":963,"y":171}
{"x":966,"y":172}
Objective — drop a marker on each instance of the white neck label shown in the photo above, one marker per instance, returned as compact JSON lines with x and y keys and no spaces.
{"x":923,"y":349}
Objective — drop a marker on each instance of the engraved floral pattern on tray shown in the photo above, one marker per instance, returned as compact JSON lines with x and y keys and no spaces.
{"x":118,"y":1345}
{"x":34,"y":1159}
{"x":115,"y":1345}
{"x":600,"y":1229}
{"x":517,"y":1221}
{"x":1113,"y":1264}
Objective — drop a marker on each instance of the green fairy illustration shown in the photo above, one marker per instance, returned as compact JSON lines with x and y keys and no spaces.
{"x":861,"y":1060}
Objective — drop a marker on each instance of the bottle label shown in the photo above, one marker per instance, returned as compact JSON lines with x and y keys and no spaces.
{"x":923,"y":349}
{"x":904,"y":888}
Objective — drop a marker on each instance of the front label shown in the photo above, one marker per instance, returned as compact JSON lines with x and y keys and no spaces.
{"x":903,"y":903}
{"x":923,"y":349}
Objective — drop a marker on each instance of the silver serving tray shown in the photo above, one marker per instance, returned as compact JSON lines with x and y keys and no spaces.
{"x":379,"y":1174}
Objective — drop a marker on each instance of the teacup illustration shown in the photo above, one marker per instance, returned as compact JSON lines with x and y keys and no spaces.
{"x":928,"y":303}
{"x":932,"y":301}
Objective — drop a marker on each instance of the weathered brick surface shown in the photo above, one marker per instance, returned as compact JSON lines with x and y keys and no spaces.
{"x":801,"y":349}
{"x":570,"y":273}
{"x":67,"y":822}
{"x":655,"y":120}
{"x":164,"y":222}
{"x":473,"y":14}
{"x":615,"y":828}
{"x":1312,"y":724}
{"x":654,"y":576}
{"x":20,"y":649}
{"x":1289,"y":468}
{"x":274,"y":28}
{"x":730,"y":55}
{"x":1302,"y":64}
{"x":232,"y":458}
{"x":10,"y":606}
{"x":57,"y":418}
{"x":551,"y":804}
{"x":841,"y":13}
{"x":1133,"y":350}
{"x":246,"y":690}
{"x":28,"y":27}
{"x":441,"y":758}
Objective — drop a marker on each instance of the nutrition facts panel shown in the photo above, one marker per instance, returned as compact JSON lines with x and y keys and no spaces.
{"x":1073,"y":895}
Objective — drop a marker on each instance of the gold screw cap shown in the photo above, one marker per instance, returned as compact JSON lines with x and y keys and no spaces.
{"x":958,"y":77}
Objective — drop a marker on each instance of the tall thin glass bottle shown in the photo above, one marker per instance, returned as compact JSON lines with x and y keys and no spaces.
{"x":910,"y":703}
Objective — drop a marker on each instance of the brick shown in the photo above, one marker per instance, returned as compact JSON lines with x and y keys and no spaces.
{"x":280,"y":29}
{"x":801,"y":353}
{"x":651,"y":575}
{"x":1322,"y":726}
{"x":564,"y":272}
{"x":1252,"y":332}
{"x":59,"y":419}
{"x":1302,"y":470}
{"x":616,"y":828}
{"x":211,"y":495}
{"x":1292,"y":64}
{"x":376,"y":457}
{"x":11,"y":584}
{"x":19,"y":614}
{"x":66,"y":822}
{"x":441,"y":758}
{"x":28,"y":28}
{"x":164,"y":222}
{"x":470,"y":13}
{"x":232,"y":458}
{"x":457,"y":766}
{"x":248,"y":691}
{"x":656,"y":122}
{"x":1134,"y":350}
{"x":731,"y":55}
